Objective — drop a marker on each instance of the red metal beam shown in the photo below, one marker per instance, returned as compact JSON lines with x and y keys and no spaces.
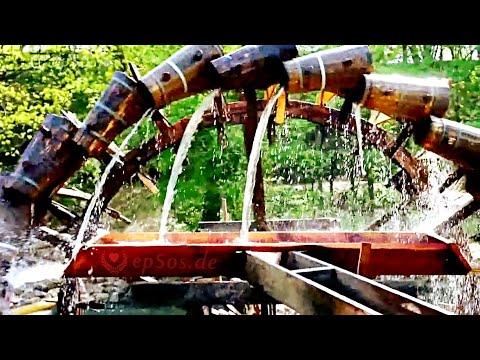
{"x":214,"y":254}
{"x":401,"y":237}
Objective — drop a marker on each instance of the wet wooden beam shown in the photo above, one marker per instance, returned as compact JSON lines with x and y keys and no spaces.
{"x":61,"y":212}
{"x":470,"y":207}
{"x":80,"y":195}
{"x":365,"y":291}
{"x":52,"y":236}
{"x":305,"y":296}
{"x":73,"y":193}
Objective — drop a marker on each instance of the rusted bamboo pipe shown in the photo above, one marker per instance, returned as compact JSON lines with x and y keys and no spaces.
{"x":48,"y":161}
{"x":338,"y":70}
{"x":405,"y":97}
{"x":254,"y":66}
{"x":185,"y":73}
{"x":452,"y":140}
{"x":121,"y":105}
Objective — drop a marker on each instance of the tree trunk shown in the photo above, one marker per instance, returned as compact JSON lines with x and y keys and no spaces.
{"x":414,"y":53}
{"x":404,"y":54}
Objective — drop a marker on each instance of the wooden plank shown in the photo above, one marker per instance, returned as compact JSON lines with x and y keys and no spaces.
{"x":460,"y":213}
{"x":73,"y":193}
{"x":80,"y":195}
{"x":301,"y":294}
{"x":157,"y":261}
{"x":362,"y":289}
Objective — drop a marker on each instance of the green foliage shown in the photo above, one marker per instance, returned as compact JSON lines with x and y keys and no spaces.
{"x":38,"y":80}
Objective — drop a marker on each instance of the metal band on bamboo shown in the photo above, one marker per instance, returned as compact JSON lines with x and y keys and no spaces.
{"x":123,"y":83}
{"x":29,"y":181}
{"x":180,"y":74}
{"x":112,"y":113}
{"x":95,"y":135}
{"x":322,"y":70}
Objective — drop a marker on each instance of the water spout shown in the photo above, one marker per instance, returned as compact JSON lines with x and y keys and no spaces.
{"x":252,"y":165}
{"x":95,"y":200}
{"x":185,"y":143}
{"x":358,"y":124}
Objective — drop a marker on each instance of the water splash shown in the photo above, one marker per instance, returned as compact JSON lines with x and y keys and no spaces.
{"x":432,"y":206}
{"x":185,"y":143}
{"x":95,"y":200}
{"x":18,"y":276}
{"x":252,"y":165}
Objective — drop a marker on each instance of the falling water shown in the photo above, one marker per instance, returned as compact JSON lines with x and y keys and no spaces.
{"x":358,"y":123}
{"x":98,"y":189}
{"x":252,"y":165}
{"x":185,"y":143}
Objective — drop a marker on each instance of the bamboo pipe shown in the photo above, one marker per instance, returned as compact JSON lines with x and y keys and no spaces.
{"x":338,"y":70}
{"x":49,"y":160}
{"x":185,"y":73}
{"x":121,"y":105}
{"x":452,"y":140}
{"x":405,"y":97}
{"x":253,"y":66}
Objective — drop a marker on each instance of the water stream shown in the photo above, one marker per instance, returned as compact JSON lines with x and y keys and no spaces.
{"x":185,"y":143}
{"x":252,"y":165}
{"x":95,"y":200}
{"x":358,"y":123}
